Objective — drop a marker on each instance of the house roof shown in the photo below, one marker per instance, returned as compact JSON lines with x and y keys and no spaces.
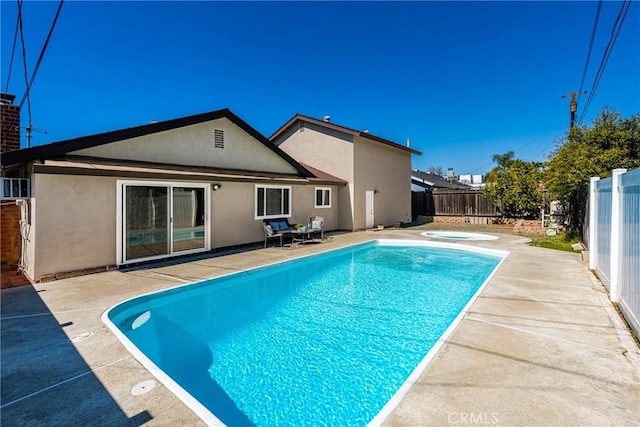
{"x":323,"y":177}
{"x":340,"y":128}
{"x":430,"y":180}
{"x":98,"y":166}
{"x":61,"y":148}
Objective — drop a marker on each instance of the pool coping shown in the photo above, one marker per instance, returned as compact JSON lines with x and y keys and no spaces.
{"x":395,"y":400}
{"x":450,"y":235}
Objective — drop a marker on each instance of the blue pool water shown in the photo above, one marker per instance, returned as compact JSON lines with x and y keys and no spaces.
{"x":322,"y":340}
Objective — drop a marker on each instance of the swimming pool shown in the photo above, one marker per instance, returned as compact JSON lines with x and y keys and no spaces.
{"x":334,"y":338}
{"x":458,"y":235}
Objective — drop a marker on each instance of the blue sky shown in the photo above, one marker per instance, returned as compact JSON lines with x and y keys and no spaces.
{"x":462,"y":80}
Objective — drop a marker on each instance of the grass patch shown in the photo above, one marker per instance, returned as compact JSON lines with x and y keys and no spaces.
{"x":561,"y":242}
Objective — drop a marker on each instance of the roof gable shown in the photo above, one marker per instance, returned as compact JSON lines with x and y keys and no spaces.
{"x":86,"y":143}
{"x":328,"y":125}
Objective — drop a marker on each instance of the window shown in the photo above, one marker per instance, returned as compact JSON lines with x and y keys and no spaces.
{"x":15,"y":188}
{"x":272,"y":201}
{"x":323,"y":197}
{"x":218,"y":138}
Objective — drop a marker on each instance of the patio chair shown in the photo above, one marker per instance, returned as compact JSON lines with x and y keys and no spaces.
{"x":276,"y":228}
{"x":316,"y":224}
{"x":270,"y":233}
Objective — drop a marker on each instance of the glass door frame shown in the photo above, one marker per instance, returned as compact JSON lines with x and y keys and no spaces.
{"x":121,"y":220}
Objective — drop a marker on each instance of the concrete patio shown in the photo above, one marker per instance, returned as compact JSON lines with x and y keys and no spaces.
{"x":540,"y":346}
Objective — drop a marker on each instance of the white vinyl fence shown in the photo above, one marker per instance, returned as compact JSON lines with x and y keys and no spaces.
{"x":614,"y":239}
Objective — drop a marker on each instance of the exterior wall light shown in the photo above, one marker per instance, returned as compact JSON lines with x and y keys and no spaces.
{"x":216,"y":187}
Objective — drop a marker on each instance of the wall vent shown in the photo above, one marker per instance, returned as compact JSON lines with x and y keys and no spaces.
{"x":218,"y":138}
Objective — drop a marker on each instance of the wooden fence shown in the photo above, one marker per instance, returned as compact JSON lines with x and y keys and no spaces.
{"x":452,"y":203}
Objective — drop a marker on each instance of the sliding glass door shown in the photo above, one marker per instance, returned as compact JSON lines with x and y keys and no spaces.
{"x":162,"y":219}
{"x":188,"y":219}
{"x":147,"y":222}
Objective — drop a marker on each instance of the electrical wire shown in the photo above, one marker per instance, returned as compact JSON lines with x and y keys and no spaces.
{"x":29,"y":82}
{"x":615,"y":30}
{"x":13,"y":51}
{"x":44,"y":48}
{"x":518,"y":149}
{"x":24,"y":62}
{"x":545,"y":148}
{"x":593,"y":36}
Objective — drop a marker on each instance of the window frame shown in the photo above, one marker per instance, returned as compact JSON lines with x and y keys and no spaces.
{"x":325,"y":205}
{"x":264,"y":207}
{"x":18,"y":188}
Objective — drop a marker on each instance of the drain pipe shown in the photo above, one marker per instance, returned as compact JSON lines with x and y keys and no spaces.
{"x":25,"y":231}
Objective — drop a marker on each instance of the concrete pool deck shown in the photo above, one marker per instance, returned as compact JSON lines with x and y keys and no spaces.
{"x":540,"y":346}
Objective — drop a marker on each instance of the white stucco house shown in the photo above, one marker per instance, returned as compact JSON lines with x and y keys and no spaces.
{"x":176,"y":187}
{"x":377,"y":170}
{"x":196,"y":184}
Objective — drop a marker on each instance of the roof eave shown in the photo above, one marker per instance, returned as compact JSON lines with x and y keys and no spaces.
{"x":299,"y":117}
{"x":60,"y":148}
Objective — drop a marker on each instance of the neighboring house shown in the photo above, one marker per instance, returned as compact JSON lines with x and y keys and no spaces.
{"x":449,"y":201}
{"x":472,"y":180}
{"x":421,"y":181}
{"x":377,"y":170}
{"x":169,"y":188}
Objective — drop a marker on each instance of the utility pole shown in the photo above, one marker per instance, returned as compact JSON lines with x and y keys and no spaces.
{"x":573,"y":106}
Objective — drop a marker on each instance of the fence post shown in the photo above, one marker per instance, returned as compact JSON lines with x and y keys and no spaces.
{"x":593,"y":218}
{"x":616,"y":233}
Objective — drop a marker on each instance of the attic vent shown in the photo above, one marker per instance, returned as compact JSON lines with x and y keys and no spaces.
{"x":218,"y":138}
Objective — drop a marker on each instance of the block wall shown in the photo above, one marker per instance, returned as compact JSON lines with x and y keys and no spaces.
{"x":449,"y":219}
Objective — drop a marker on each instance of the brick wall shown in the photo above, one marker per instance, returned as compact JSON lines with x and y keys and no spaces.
{"x":10,"y":230}
{"x":529,"y":227}
{"x":449,"y":219}
{"x":9,"y":124}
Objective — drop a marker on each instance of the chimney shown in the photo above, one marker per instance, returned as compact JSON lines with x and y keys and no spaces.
{"x":9,"y":124}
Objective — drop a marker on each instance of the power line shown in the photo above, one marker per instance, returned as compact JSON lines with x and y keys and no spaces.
{"x":13,"y":51}
{"x":24,"y":63}
{"x":44,"y":48}
{"x":593,"y":36}
{"x":517,"y":149}
{"x":541,"y":151}
{"x":615,"y":30}
{"x":29,"y":82}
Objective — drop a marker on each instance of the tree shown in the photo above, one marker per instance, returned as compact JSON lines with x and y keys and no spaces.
{"x":515,"y":185}
{"x":435,"y":170}
{"x":611,"y":142}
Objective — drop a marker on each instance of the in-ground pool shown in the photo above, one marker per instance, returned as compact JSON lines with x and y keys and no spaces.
{"x":458,"y":235}
{"x":333,"y":339}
